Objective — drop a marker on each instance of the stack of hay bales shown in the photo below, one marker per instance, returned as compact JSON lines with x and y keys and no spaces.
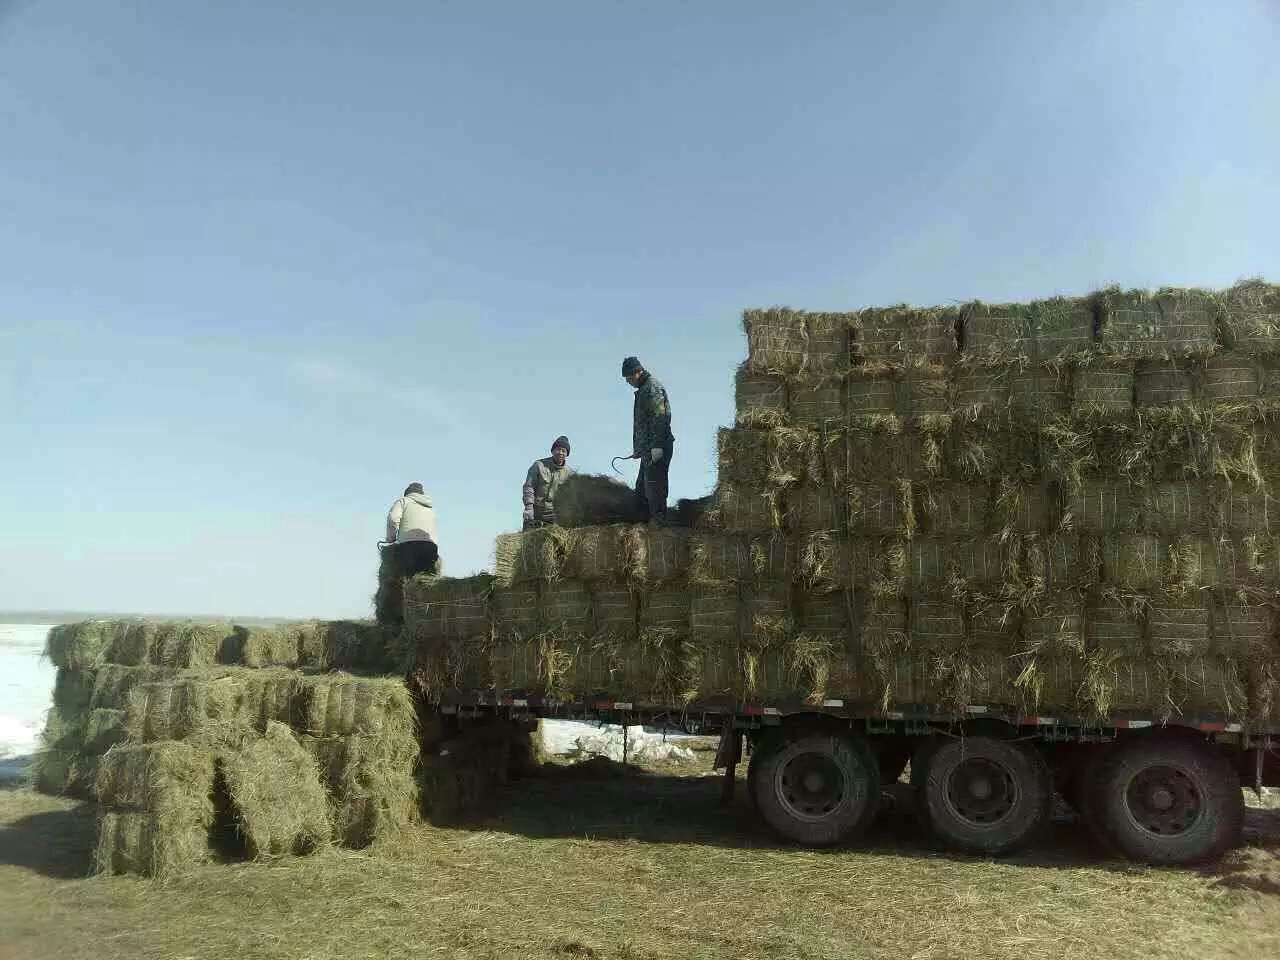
{"x":188,"y":732}
{"x":1058,"y":506}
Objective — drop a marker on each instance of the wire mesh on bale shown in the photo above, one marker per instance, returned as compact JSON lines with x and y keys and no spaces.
{"x":780,"y":340}
{"x":935,"y":625}
{"x":760,"y":399}
{"x":515,"y":613}
{"x":745,"y":508}
{"x":278,"y":802}
{"x":158,"y":809}
{"x":904,"y":334}
{"x":1159,"y":383}
{"x":817,"y":402}
{"x":1104,"y":387}
{"x":742,"y":454}
{"x":1230,"y":379}
{"x":1171,"y":323}
{"x":585,"y":499}
{"x":1244,"y":631}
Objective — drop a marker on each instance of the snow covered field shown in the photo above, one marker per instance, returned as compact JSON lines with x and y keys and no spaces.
{"x":26,"y":690}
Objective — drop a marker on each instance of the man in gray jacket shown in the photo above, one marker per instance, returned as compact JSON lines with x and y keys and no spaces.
{"x":411,"y":532}
{"x":652,"y":442}
{"x":542,"y":481}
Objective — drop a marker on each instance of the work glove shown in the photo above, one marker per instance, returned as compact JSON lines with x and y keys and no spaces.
{"x":655,"y":455}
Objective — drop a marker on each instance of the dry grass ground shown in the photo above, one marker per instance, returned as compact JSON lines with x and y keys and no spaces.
{"x":631,"y":867}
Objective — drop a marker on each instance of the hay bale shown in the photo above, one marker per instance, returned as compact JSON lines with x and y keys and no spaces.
{"x":993,"y":627}
{"x":816,"y":402}
{"x":515,"y":613}
{"x":1103,"y":388}
{"x":595,"y":554}
{"x":665,"y":610}
{"x":189,"y":645}
{"x":513,"y":665}
{"x":1239,"y":510}
{"x":529,"y":556}
{"x":73,"y":691}
{"x":351,"y":645}
{"x":887,"y":566}
{"x":338,"y":704}
{"x":1230,"y":379}
{"x":1102,"y":506}
{"x":1114,"y":628}
{"x":954,"y":509}
{"x":279,"y":804}
{"x":1133,"y":562}
{"x":974,"y":564}
{"x":815,"y":509}
{"x":1245,"y":631}
{"x":980,"y":388}
{"x":1172,"y":323}
{"x":1176,"y":507}
{"x":825,"y":563}
{"x":745,"y":508}
{"x":883,"y":508}
{"x":760,"y":399}
{"x":1054,"y":626}
{"x":714,"y":616}
{"x":1179,"y":627}
{"x":584,"y":500}
{"x":742,"y":454}
{"x":780,"y":340}
{"x":159,"y":809}
{"x":904,"y":334}
{"x":448,"y":608}
{"x":614,"y":611}
{"x":871,"y":391}
{"x":923,"y":391}
{"x":80,"y":646}
{"x":1063,"y":327}
{"x":186,"y":706}
{"x":373,"y":794}
{"x":1189,"y":321}
{"x":1160,"y":383}
{"x":826,"y":614}
{"x":740,"y":559}
{"x":564,"y":608}
{"x":1037,"y":391}
{"x":104,"y":728}
{"x":996,"y":331}
{"x":667,"y":554}
{"x":935,"y":626}
{"x":1197,"y":685}
{"x":766,"y":628}
{"x":1249,"y":318}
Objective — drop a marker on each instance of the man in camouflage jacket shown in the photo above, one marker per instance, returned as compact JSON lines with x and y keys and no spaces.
{"x":542,"y":481}
{"x":652,"y":442}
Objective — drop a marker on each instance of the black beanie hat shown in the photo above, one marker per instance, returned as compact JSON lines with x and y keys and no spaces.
{"x":561,"y":441}
{"x":631,"y":365}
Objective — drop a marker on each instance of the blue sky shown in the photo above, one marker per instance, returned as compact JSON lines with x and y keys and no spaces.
{"x":267,"y":262}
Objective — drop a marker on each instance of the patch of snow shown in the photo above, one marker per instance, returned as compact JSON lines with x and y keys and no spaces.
{"x":571,"y":738}
{"x":26,"y":689}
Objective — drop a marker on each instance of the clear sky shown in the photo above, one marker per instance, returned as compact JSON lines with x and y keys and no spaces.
{"x":264,"y":263}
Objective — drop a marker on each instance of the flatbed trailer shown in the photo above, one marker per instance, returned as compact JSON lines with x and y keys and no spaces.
{"x":1161,"y":791}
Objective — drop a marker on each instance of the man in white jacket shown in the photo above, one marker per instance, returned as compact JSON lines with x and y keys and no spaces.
{"x":411,"y":532}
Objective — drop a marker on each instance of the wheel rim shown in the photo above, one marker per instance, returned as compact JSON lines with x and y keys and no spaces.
{"x":810,"y":786}
{"x":1163,"y":801}
{"x":982,"y":792}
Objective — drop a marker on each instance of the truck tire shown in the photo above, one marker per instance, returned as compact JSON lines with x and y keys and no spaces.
{"x":1165,"y":799}
{"x":985,"y":796}
{"x":816,"y":789}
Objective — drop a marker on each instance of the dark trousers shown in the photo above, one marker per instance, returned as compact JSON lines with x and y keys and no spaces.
{"x":651,"y":482}
{"x":415,"y":556}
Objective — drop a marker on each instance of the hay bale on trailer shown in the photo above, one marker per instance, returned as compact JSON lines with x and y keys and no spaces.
{"x":905,"y":334}
{"x":760,"y":399}
{"x":585,"y":500}
{"x":1249,"y":318}
{"x":786,"y":341}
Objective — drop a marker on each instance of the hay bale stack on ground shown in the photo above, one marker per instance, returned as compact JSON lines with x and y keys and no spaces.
{"x":157,"y":809}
